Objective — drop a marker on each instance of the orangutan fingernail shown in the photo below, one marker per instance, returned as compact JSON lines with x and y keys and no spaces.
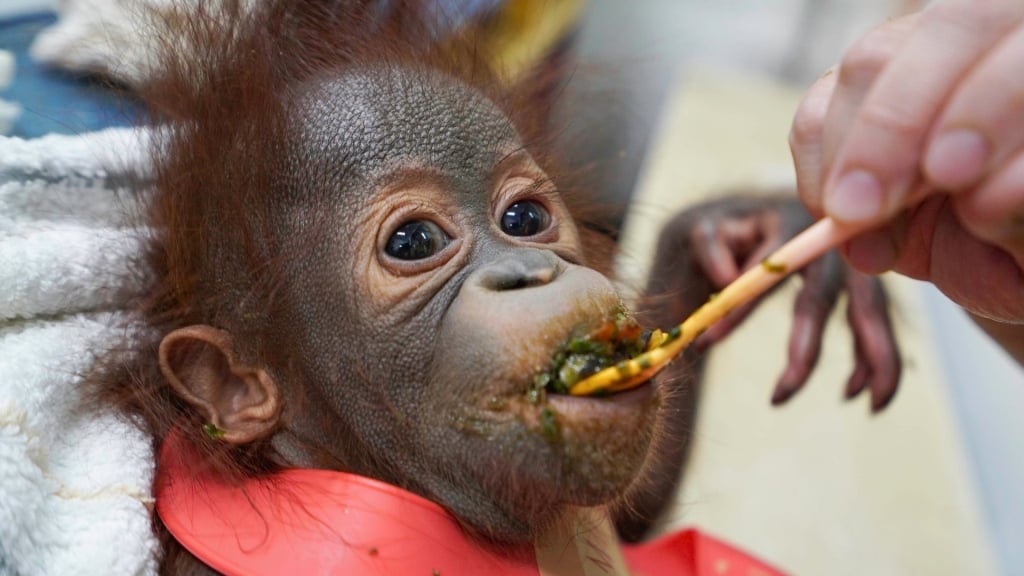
{"x":853,"y":388}
{"x":858,"y":196}
{"x":957,"y":159}
{"x":783,"y":392}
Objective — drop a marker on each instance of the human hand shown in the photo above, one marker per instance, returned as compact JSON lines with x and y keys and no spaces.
{"x":927,"y":104}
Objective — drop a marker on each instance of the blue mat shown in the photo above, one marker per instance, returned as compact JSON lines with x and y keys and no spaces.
{"x":52,"y":100}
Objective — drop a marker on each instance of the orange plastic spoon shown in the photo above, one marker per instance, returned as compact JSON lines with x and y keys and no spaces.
{"x":803,"y":248}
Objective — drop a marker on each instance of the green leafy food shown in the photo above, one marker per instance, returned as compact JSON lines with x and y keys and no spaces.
{"x":583,"y":356}
{"x":548,"y":424}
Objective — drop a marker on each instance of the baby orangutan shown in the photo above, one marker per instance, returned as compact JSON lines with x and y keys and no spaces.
{"x":362,"y":261}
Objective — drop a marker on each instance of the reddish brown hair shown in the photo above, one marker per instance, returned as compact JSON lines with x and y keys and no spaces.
{"x":227,"y":74}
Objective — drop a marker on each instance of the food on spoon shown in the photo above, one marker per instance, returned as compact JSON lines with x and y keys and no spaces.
{"x":810,"y":244}
{"x":616,"y":340}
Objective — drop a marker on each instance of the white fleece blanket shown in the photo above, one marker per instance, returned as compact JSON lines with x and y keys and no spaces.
{"x":74,"y":487}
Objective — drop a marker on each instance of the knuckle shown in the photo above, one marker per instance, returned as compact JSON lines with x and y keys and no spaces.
{"x":807,"y":127}
{"x":950,"y":12}
{"x":703,"y":231}
{"x":879,"y":117}
{"x":677,"y":234}
{"x":986,"y":19}
{"x":863,"y":62}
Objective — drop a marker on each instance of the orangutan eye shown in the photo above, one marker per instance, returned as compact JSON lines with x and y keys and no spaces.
{"x":416,"y":240}
{"x":526,"y":218}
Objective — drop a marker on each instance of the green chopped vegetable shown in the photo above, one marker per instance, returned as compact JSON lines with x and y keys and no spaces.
{"x":582,"y":356}
{"x":536,"y":395}
{"x":213,"y":432}
{"x":548,"y":424}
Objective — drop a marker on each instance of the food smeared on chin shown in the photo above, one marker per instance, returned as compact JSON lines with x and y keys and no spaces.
{"x":615,"y":340}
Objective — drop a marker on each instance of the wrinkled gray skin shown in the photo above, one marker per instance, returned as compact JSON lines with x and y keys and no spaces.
{"x":420,"y":380}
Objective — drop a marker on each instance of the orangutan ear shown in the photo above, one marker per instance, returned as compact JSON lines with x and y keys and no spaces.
{"x":241,"y":401}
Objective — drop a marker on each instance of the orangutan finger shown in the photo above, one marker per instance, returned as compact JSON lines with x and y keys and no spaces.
{"x":861,"y":371}
{"x":712,"y":253}
{"x":814,"y":304}
{"x":868,"y":316}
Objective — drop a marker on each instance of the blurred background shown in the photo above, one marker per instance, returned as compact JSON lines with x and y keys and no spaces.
{"x":673,"y":101}
{"x":664,"y":51}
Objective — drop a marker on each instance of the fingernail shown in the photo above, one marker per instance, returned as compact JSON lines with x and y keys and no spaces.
{"x":879,"y":402}
{"x":872,"y":252}
{"x":780,"y":395}
{"x":854,"y":387}
{"x":957,"y":159}
{"x":784,"y":390}
{"x":857,"y":197}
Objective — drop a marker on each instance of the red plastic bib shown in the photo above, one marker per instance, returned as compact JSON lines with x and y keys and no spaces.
{"x":302,"y":521}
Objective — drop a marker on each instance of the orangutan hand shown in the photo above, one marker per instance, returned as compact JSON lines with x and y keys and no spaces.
{"x":706,"y":247}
